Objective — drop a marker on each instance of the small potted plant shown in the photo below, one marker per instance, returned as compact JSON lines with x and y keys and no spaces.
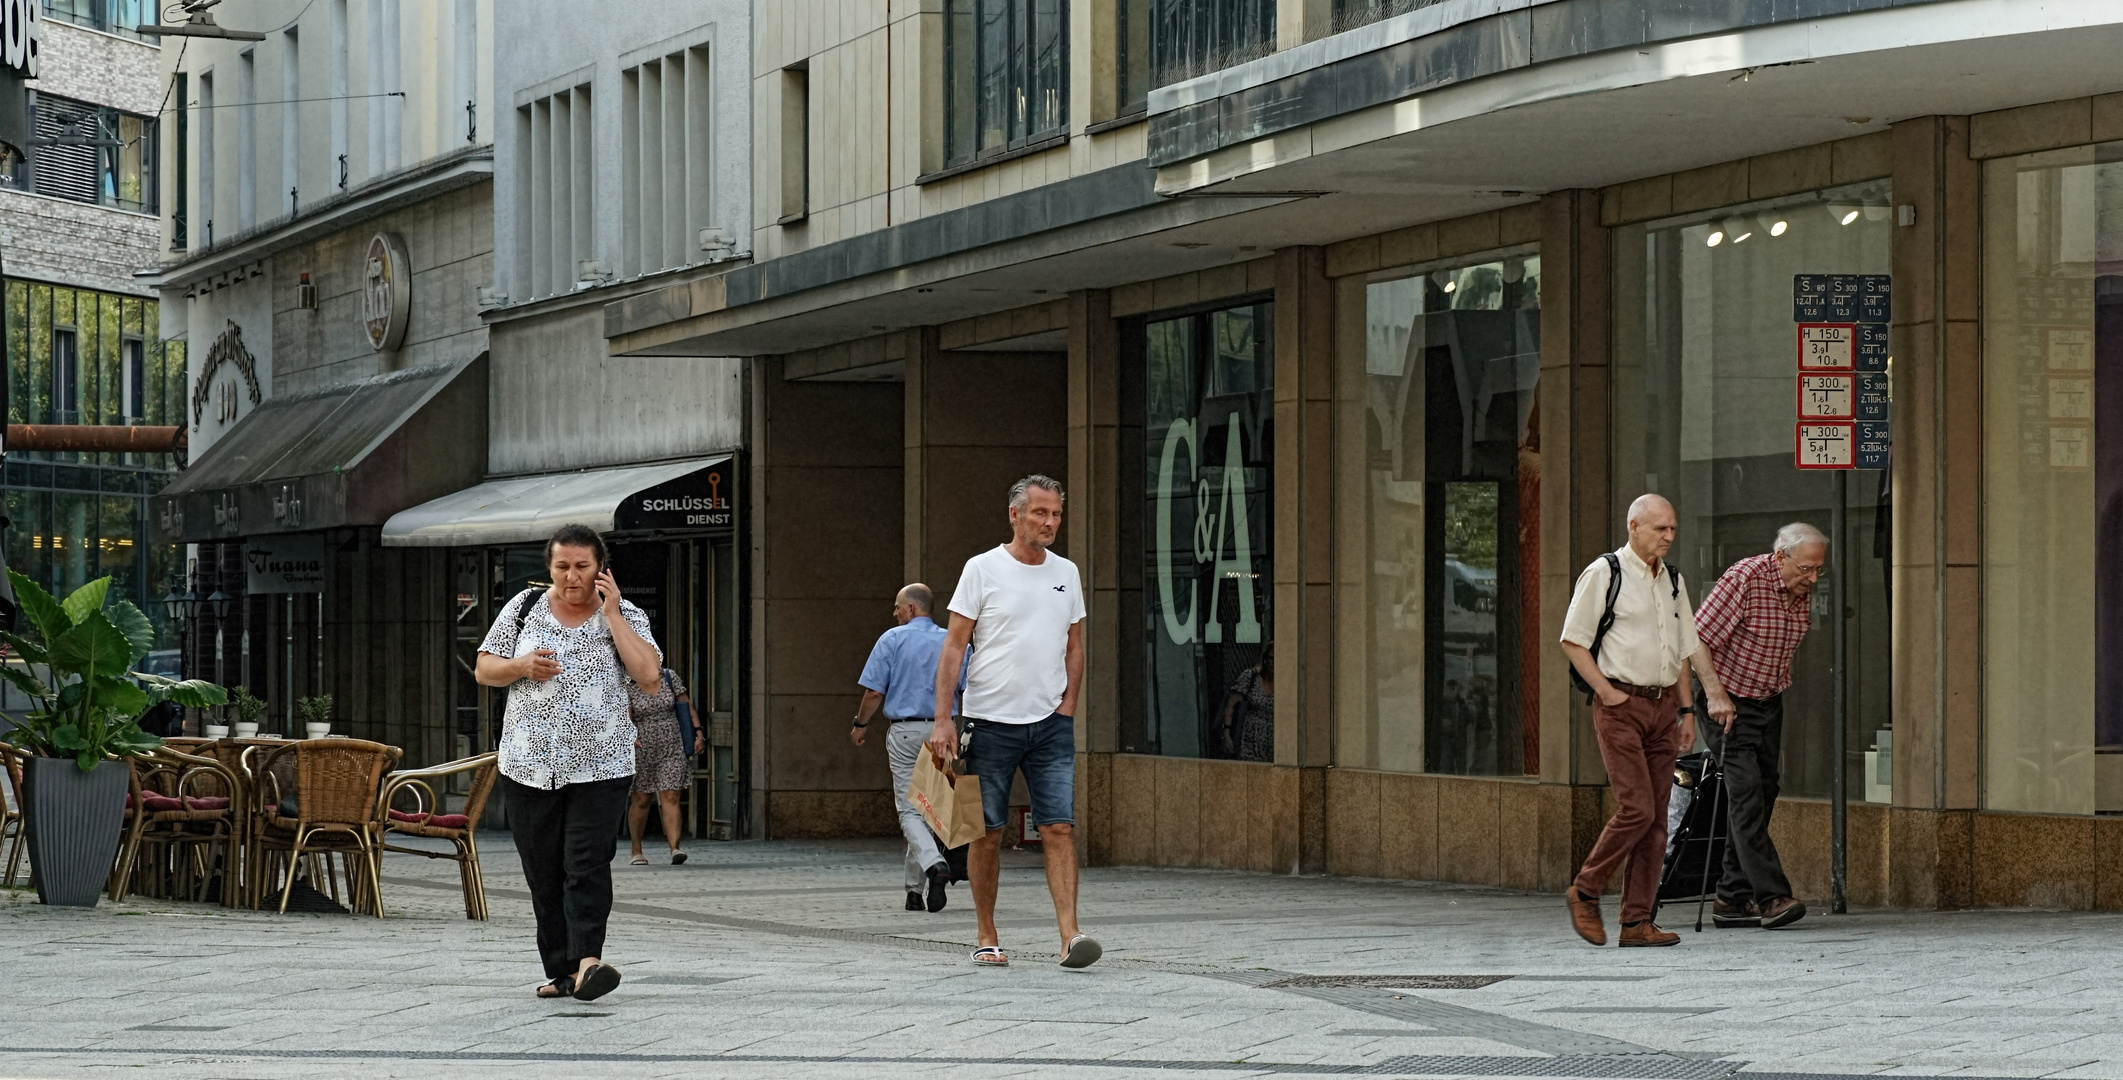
{"x":316,"y":715}
{"x":248,"y":709}
{"x":76,"y":660}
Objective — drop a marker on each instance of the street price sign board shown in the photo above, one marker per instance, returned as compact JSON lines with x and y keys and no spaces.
{"x":1872,"y":396}
{"x":1871,"y":451}
{"x":1825,"y":445}
{"x":1875,"y":299}
{"x":1809,"y":298}
{"x":1828,"y":347}
{"x":1827,"y":397}
{"x":1872,"y":347}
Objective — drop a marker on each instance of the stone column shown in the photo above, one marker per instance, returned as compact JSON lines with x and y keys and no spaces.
{"x":1304,"y":536}
{"x":1937,"y":475}
{"x":1576,"y":510}
{"x":1091,"y":525}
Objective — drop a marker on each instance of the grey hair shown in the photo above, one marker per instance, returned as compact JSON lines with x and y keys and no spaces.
{"x":1021,"y":490}
{"x":1797,"y":534}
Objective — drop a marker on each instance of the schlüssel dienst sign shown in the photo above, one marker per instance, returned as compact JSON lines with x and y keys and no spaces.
{"x":706,"y":499}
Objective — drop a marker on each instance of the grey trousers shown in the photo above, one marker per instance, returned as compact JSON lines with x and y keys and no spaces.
{"x":903,"y":742}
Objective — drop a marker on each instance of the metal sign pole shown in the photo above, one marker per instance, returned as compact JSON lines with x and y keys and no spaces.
{"x":1839,"y":737}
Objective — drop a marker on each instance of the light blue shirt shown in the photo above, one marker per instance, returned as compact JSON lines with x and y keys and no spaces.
{"x":902,"y":667}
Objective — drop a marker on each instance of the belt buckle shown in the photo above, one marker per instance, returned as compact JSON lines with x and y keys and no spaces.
{"x":1656,"y":693}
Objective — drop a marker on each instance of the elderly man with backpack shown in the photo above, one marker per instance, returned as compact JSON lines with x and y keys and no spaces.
{"x":1630,"y":638}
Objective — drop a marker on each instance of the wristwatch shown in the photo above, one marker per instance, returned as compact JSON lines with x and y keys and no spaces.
{"x":1687,"y":710}
{"x":860,"y":722}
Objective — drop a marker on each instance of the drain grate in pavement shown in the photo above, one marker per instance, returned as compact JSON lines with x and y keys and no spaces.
{"x":582,"y":1015}
{"x":1395,"y":982}
{"x":174,"y":1027}
{"x":1667,"y":1010}
{"x":1583,"y":1067}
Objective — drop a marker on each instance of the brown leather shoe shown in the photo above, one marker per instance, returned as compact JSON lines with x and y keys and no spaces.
{"x":1646,"y":934}
{"x":1727,"y":916}
{"x":1585,"y":916}
{"x":1782,"y":911}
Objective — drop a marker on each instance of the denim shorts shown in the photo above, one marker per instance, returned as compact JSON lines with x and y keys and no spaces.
{"x":1045,"y":750}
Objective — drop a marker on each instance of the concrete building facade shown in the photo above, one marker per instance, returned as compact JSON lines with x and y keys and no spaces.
{"x":623,"y":159}
{"x":85,"y":344}
{"x":1352,"y":328}
{"x":325,"y":251}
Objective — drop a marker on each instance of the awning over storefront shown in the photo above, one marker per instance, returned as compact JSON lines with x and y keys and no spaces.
{"x":341,"y":456}
{"x":696,"y":495}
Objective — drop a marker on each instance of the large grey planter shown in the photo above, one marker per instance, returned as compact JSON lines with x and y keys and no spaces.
{"x":73,"y":819}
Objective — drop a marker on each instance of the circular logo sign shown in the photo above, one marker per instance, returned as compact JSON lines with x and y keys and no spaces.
{"x":386,"y":294}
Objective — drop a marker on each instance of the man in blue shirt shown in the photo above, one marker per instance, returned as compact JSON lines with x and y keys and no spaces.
{"x":901,"y":677}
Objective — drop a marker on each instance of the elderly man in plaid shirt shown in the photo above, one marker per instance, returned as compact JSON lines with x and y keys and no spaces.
{"x":1752,"y":622}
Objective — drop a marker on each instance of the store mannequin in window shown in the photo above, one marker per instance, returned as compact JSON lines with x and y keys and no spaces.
{"x":1247,"y":724}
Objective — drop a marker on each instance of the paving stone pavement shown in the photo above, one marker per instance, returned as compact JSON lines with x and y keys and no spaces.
{"x":794,"y":959}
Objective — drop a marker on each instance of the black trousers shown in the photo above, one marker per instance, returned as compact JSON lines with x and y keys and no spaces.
{"x":566,"y":838}
{"x":1752,"y":778}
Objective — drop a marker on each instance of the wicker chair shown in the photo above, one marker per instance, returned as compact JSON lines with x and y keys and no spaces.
{"x":461,"y":830}
{"x":11,"y":815}
{"x":333,"y":811}
{"x":184,"y":810}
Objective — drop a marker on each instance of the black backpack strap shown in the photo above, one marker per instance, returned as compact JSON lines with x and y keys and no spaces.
{"x":1614,"y":592}
{"x":524,"y":601}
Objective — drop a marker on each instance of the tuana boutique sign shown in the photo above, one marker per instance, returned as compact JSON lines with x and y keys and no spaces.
{"x":284,"y":564}
{"x":386,"y":291}
{"x":705,"y":499}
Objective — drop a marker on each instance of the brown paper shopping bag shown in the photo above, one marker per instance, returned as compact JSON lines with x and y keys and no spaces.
{"x":950,"y":803}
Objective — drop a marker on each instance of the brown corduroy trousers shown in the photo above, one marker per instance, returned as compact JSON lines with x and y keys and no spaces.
{"x":1639,"y":740}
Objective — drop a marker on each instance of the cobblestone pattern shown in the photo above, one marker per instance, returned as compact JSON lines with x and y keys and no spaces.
{"x":788,"y":960}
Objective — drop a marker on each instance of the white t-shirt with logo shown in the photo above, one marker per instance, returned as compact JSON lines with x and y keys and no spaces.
{"x":1022,"y":615}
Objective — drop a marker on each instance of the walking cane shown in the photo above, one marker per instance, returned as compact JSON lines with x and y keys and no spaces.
{"x":1716,"y":804}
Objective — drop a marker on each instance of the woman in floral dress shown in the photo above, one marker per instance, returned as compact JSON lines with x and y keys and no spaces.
{"x":662,"y":768}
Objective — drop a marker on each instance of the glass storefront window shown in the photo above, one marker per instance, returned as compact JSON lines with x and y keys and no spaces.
{"x":1205,"y":391}
{"x":1451,"y":496}
{"x":2052,"y":493}
{"x":1705,"y":401}
{"x":80,"y":356}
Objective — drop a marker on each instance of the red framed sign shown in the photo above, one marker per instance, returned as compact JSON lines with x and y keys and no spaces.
{"x":1827,"y":397}
{"x":1824,"y":444}
{"x":1828,"y":346}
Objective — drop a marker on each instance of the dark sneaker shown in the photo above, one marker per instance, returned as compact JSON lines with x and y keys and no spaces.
{"x":939,"y":876}
{"x":1728,"y":916}
{"x":914,"y":901}
{"x":1782,"y":911}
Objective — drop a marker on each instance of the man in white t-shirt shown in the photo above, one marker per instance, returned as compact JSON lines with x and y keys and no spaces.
{"x":1021,"y":608}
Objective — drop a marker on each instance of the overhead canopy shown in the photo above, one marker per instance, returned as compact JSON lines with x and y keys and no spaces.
{"x":344,"y":455}
{"x":692,"y":495}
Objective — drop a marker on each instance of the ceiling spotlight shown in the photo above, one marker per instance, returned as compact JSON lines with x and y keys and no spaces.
{"x":1844,"y":213}
{"x":1777,"y":227}
{"x":1738,"y":230}
{"x":1875,"y":213}
{"x":1452,"y":286}
{"x":1716,"y":237}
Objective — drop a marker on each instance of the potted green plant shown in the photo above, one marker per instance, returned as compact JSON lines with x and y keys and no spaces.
{"x":76,"y":665}
{"x":248,"y":708}
{"x":316,"y":715}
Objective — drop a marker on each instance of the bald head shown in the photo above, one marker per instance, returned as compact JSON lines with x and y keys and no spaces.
{"x":1651,"y":527}
{"x":916,"y":597}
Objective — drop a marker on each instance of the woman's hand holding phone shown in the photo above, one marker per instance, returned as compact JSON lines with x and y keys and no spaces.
{"x":608,"y":592}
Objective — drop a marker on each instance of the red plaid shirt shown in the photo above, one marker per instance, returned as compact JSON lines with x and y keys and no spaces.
{"x":1752,"y":627}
